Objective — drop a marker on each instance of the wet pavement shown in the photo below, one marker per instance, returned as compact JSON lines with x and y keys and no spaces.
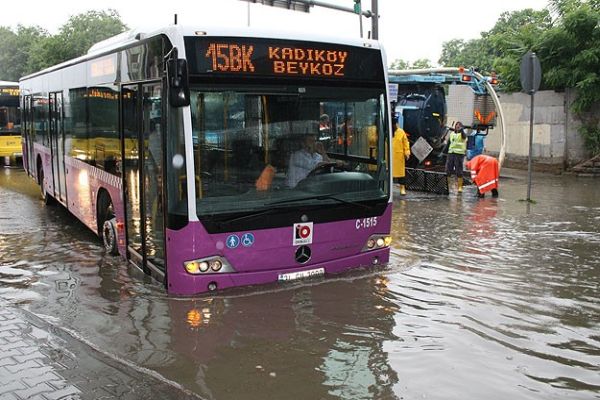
{"x":40,"y":361}
{"x":492,"y":298}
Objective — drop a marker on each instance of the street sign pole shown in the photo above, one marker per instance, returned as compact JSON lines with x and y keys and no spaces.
{"x":529,"y":163}
{"x":358,"y":10}
{"x":531,"y":77}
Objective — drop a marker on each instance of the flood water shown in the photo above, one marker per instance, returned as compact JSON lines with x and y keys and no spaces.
{"x":489,"y":298}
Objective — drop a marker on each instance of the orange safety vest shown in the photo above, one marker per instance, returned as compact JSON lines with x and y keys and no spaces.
{"x":484,"y":172}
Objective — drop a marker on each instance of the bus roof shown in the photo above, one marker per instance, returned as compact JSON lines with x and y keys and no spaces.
{"x":7,"y":83}
{"x":176,"y":33}
{"x":133,"y":35}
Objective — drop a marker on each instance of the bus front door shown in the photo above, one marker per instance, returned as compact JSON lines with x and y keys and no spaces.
{"x":142,"y":143}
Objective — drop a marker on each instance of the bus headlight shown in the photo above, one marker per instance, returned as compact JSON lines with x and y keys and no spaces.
{"x":204,"y":266}
{"x":377,"y":242}
{"x":207,"y":265}
{"x":216,"y":265}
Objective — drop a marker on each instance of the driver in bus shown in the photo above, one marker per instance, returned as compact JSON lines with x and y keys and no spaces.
{"x":310,"y":156}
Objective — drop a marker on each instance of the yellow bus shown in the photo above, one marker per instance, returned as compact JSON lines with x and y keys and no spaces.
{"x":10,"y":123}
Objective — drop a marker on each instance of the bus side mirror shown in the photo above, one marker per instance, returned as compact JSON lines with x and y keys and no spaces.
{"x":179,"y":87}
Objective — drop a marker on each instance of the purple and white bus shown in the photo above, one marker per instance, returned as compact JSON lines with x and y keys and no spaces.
{"x":215,"y":158}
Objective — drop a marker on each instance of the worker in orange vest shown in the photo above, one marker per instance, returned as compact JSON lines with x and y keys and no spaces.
{"x":485,"y":173}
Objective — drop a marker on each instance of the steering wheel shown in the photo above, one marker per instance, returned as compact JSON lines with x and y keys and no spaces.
{"x":325,"y":168}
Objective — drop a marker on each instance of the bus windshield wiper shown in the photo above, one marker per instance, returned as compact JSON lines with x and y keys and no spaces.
{"x":320,"y":197}
{"x":258,"y":213}
{"x":251,"y":214}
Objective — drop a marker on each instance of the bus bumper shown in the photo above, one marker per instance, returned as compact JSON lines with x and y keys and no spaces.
{"x":191,"y":285}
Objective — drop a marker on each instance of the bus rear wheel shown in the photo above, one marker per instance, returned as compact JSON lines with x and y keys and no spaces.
{"x":46,"y":198}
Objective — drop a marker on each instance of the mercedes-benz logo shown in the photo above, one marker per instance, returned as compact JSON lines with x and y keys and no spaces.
{"x":303,"y":254}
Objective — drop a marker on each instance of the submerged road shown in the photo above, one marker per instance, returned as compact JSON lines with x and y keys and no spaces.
{"x":489,"y":298}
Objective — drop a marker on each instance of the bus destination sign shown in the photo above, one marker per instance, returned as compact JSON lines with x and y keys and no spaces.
{"x":282,"y":60}
{"x":9,"y":91}
{"x":270,"y":57}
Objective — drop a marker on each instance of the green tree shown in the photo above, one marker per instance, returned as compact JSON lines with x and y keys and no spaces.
{"x":565,"y":37}
{"x":31,"y":49}
{"x":399,"y":64}
{"x":16,"y":48}
{"x":75,"y":38}
{"x":451,"y":51}
{"x":475,"y":53}
{"x":7,"y":49}
{"x":81,"y":31}
{"x":498,"y":49}
{"x":417,"y":64}
{"x":45,"y":53}
{"x":421,"y":63}
{"x":570,"y":58}
{"x":513,"y":35}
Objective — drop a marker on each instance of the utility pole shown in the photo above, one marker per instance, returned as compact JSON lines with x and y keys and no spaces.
{"x":248,"y":14}
{"x":374,"y":20}
{"x":305,"y":5}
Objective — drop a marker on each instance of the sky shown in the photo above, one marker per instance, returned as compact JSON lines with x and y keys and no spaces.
{"x":409,"y":30}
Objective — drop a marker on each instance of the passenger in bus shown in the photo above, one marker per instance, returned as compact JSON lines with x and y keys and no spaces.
{"x":265,"y":179}
{"x":400,"y":154}
{"x":301,"y":162}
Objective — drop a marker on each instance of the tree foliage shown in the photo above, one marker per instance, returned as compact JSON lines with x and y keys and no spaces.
{"x":564,"y":36}
{"x":16,"y":49}
{"x":399,"y":64}
{"x":30,"y":49}
{"x":570,"y":58}
{"x":473,"y":53}
{"x":81,"y":31}
{"x":417,"y":64}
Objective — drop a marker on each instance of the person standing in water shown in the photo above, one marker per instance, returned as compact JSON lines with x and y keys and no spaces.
{"x":457,"y":149}
{"x":400,"y":153}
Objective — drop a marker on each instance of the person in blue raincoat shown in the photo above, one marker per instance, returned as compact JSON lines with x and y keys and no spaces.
{"x":475,"y":143}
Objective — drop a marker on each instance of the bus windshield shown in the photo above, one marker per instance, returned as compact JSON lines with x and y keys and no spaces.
{"x":10,"y":120}
{"x":288,"y":146}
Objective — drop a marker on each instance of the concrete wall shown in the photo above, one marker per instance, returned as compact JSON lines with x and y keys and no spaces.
{"x":556,"y":141}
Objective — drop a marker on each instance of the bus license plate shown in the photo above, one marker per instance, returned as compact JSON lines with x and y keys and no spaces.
{"x":291,"y":276}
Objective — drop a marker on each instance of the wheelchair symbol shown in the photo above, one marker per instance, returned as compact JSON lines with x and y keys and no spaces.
{"x":247,"y":239}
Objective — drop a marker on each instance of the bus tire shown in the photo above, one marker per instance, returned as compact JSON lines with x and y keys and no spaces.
{"x":109,"y":236}
{"x":107,"y":223}
{"x":47,"y":199}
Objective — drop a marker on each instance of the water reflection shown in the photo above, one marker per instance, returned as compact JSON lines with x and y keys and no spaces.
{"x":503,"y":303}
{"x":284,"y":341}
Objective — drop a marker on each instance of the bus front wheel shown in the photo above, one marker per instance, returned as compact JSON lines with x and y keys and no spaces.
{"x":109,"y":236}
{"x":107,"y":223}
